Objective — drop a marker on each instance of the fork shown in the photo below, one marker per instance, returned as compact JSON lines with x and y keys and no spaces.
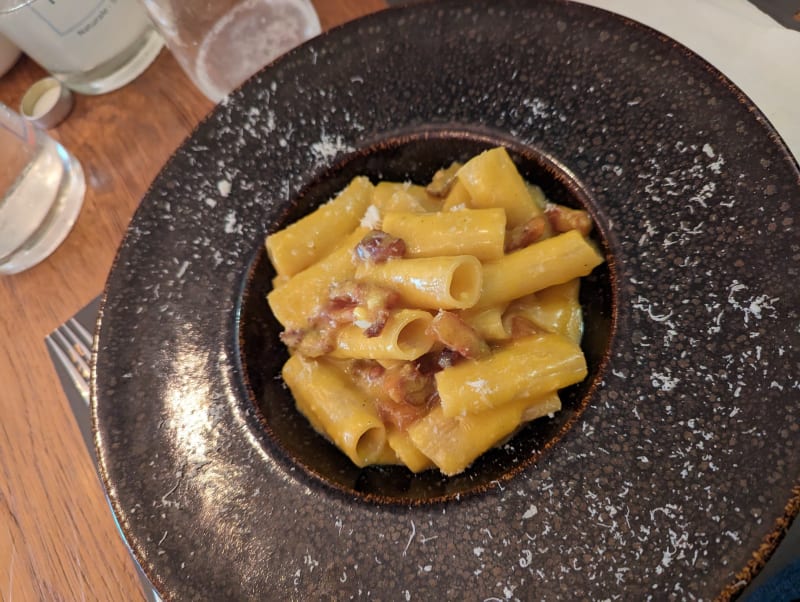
{"x":71,"y":343}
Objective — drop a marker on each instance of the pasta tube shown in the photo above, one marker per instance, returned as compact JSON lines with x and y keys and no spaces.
{"x":428,"y":282}
{"x":527,"y":367}
{"x":454,"y":442}
{"x":388,"y":456}
{"x":554,"y":309}
{"x":398,"y":196}
{"x":552,"y":261}
{"x":478,"y":232}
{"x":457,"y":198}
{"x":404,"y":337}
{"x":492,"y":180}
{"x":541,"y":406}
{"x":307,"y":240}
{"x":336,"y":408}
{"x":300,"y":297}
{"x":408,"y":453}
{"x":537,"y":194}
{"x":487,"y":322}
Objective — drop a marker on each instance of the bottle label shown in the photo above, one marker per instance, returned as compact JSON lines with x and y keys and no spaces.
{"x":63,"y":19}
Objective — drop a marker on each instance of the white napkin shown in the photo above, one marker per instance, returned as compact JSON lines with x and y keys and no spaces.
{"x":748,"y":46}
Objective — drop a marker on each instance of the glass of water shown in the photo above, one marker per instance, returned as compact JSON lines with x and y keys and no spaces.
{"x":41,"y":192}
{"x":220,"y":44}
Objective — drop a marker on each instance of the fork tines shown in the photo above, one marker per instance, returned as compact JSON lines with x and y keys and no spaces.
{"x":71,"y":343}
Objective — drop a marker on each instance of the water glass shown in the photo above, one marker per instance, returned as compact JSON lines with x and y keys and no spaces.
{"x":41,"y":192}
{"x":92,"y":46}
{"x":221,"y":44}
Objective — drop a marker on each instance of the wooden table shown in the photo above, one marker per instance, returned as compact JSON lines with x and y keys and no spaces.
{"x":58,"y":540}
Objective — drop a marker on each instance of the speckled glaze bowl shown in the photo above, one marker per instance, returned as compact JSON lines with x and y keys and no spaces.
{"x":672,"y":473}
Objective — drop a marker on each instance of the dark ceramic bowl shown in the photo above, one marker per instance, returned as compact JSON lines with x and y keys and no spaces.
{"x":672,"y":471}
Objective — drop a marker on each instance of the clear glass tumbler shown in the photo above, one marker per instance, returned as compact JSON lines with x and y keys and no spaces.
{"x":93,"y":46}
{"x":220,"y":44}
{"x":41,"y":192}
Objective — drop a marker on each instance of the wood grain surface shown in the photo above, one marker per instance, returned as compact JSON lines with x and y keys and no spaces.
{"x":58,"y":540}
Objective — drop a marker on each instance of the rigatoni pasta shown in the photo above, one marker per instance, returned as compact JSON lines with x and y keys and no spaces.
{"x":335,"y":406}
{"x":301,"y":296}
{"x":530,"y":366}
{"x":313,"y":237}
{"x":491,"y":180}
{"x":477,"y":232}
{"x":453,"y":443}
{"x":426,"y":324}
{"x":429,"y":282}
{"x":404,"y":336}
{"x":543,"y":264}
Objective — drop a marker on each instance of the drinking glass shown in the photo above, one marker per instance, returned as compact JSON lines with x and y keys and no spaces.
{"x":92,"y":46}
{"x":221,"y":44}
{"x":41,"y":193}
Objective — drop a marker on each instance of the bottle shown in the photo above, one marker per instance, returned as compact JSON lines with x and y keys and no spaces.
{"x":8,"y":55}
{"x":91,"y":46}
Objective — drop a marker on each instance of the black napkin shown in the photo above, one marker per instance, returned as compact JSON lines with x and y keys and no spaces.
{"x":785,"y":12}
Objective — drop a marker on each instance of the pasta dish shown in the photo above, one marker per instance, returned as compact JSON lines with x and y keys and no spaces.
{"x":426,"y":324}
